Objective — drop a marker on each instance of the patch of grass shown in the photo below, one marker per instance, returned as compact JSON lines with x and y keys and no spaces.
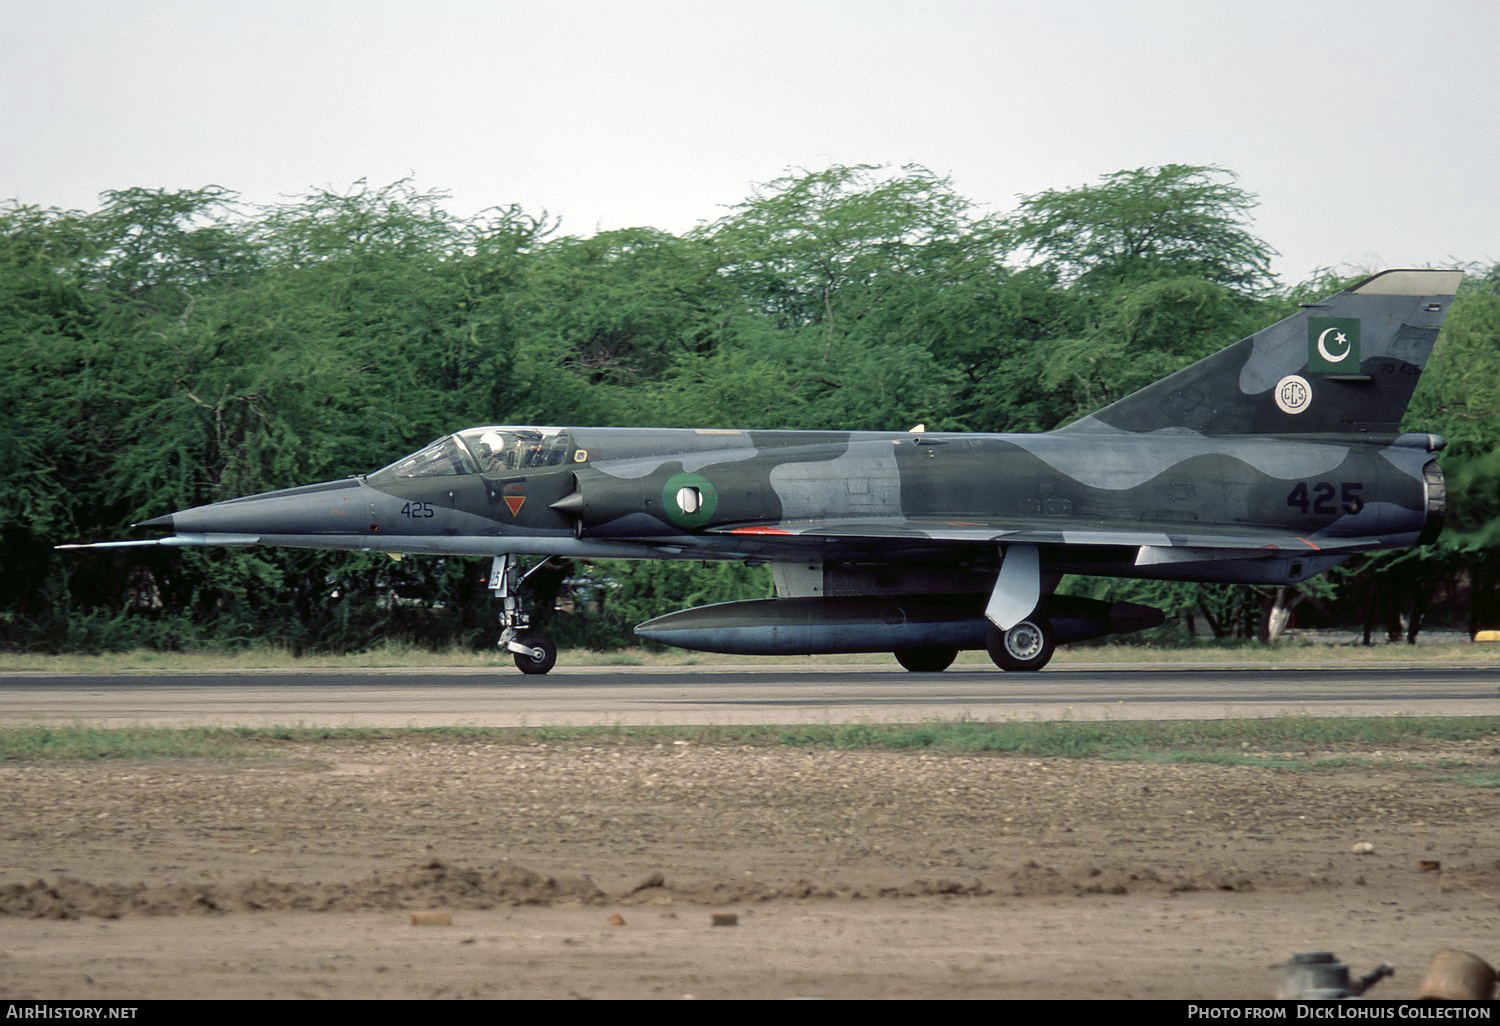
{"x":1480,"y":778}
{"x":1293,"y":743}
{"x":1105,"y":738}
{"x":37,"y":743}
{"x":1265,"y":761}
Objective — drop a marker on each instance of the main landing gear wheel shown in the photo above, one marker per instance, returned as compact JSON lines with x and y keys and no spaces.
{"x":1026,"y":647}
{"x":926,"y":660}
{"x":541,"y":658}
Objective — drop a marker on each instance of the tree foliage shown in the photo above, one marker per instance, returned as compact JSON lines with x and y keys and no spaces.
{"x":1173,"y":221}
{"x":172,"y":348}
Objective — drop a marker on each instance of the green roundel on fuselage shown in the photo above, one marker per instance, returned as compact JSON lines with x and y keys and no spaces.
{"x":689,"y":500}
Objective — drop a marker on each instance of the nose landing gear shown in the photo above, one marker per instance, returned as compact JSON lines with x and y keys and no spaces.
{"x":534,"y":652}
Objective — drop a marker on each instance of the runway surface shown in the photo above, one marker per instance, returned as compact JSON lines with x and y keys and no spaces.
{"x":575,"y":696}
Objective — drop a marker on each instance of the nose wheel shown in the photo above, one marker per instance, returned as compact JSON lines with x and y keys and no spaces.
{"x":532,"y":650}
{"x":540,"y":655}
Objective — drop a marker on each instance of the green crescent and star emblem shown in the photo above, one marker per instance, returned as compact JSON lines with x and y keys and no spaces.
{"x":1333,"y":345}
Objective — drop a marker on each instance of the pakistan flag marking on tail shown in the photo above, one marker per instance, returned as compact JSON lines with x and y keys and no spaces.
{"x":1333,"y":345}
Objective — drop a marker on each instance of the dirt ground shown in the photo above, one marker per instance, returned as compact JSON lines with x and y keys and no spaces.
{"x":595,"y":869}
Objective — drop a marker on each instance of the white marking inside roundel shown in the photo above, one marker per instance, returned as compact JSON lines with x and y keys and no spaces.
{"x":1338,"y":339}
{"x":1293,"y":394}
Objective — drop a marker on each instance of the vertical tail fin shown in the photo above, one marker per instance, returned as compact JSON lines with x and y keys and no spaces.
{"x":1346,"y":365}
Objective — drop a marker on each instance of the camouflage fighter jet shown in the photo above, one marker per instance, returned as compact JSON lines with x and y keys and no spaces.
{"x":1266,"y":463}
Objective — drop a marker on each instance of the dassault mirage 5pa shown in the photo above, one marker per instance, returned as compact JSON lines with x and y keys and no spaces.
{"x":1267,"y":463}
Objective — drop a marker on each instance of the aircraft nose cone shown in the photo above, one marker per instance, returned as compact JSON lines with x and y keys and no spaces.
{"x":320,"y":509}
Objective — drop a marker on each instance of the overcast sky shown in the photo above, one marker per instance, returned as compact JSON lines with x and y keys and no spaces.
{"x":1369,"y":130}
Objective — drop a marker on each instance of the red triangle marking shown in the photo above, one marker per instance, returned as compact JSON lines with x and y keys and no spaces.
{"x":514,"y":502}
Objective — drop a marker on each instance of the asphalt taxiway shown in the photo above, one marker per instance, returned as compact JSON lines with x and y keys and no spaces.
{"x":577,"y":696}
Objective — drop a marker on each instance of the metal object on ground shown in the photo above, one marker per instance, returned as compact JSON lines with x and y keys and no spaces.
{"x":1320,"y":976}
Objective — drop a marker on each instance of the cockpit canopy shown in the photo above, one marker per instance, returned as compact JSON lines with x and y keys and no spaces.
{"x":487,"y":450}
{"x":503,"y":449}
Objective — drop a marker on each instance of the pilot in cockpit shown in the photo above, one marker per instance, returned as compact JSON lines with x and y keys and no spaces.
{"x":492,"y":453}
{"x":502,"y":451}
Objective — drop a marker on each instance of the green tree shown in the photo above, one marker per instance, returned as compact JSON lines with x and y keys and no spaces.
{"x":1129,"y":279}
{"x":600,"y":320}
{"x":174,"y":348}
{"x":1139,"y":333}
{"x":1172,"y":221}
{"x":847,"y":286}
{"x":1459,"y":397}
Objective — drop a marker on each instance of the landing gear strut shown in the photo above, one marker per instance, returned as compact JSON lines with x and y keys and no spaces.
{"x":534,"y":652}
